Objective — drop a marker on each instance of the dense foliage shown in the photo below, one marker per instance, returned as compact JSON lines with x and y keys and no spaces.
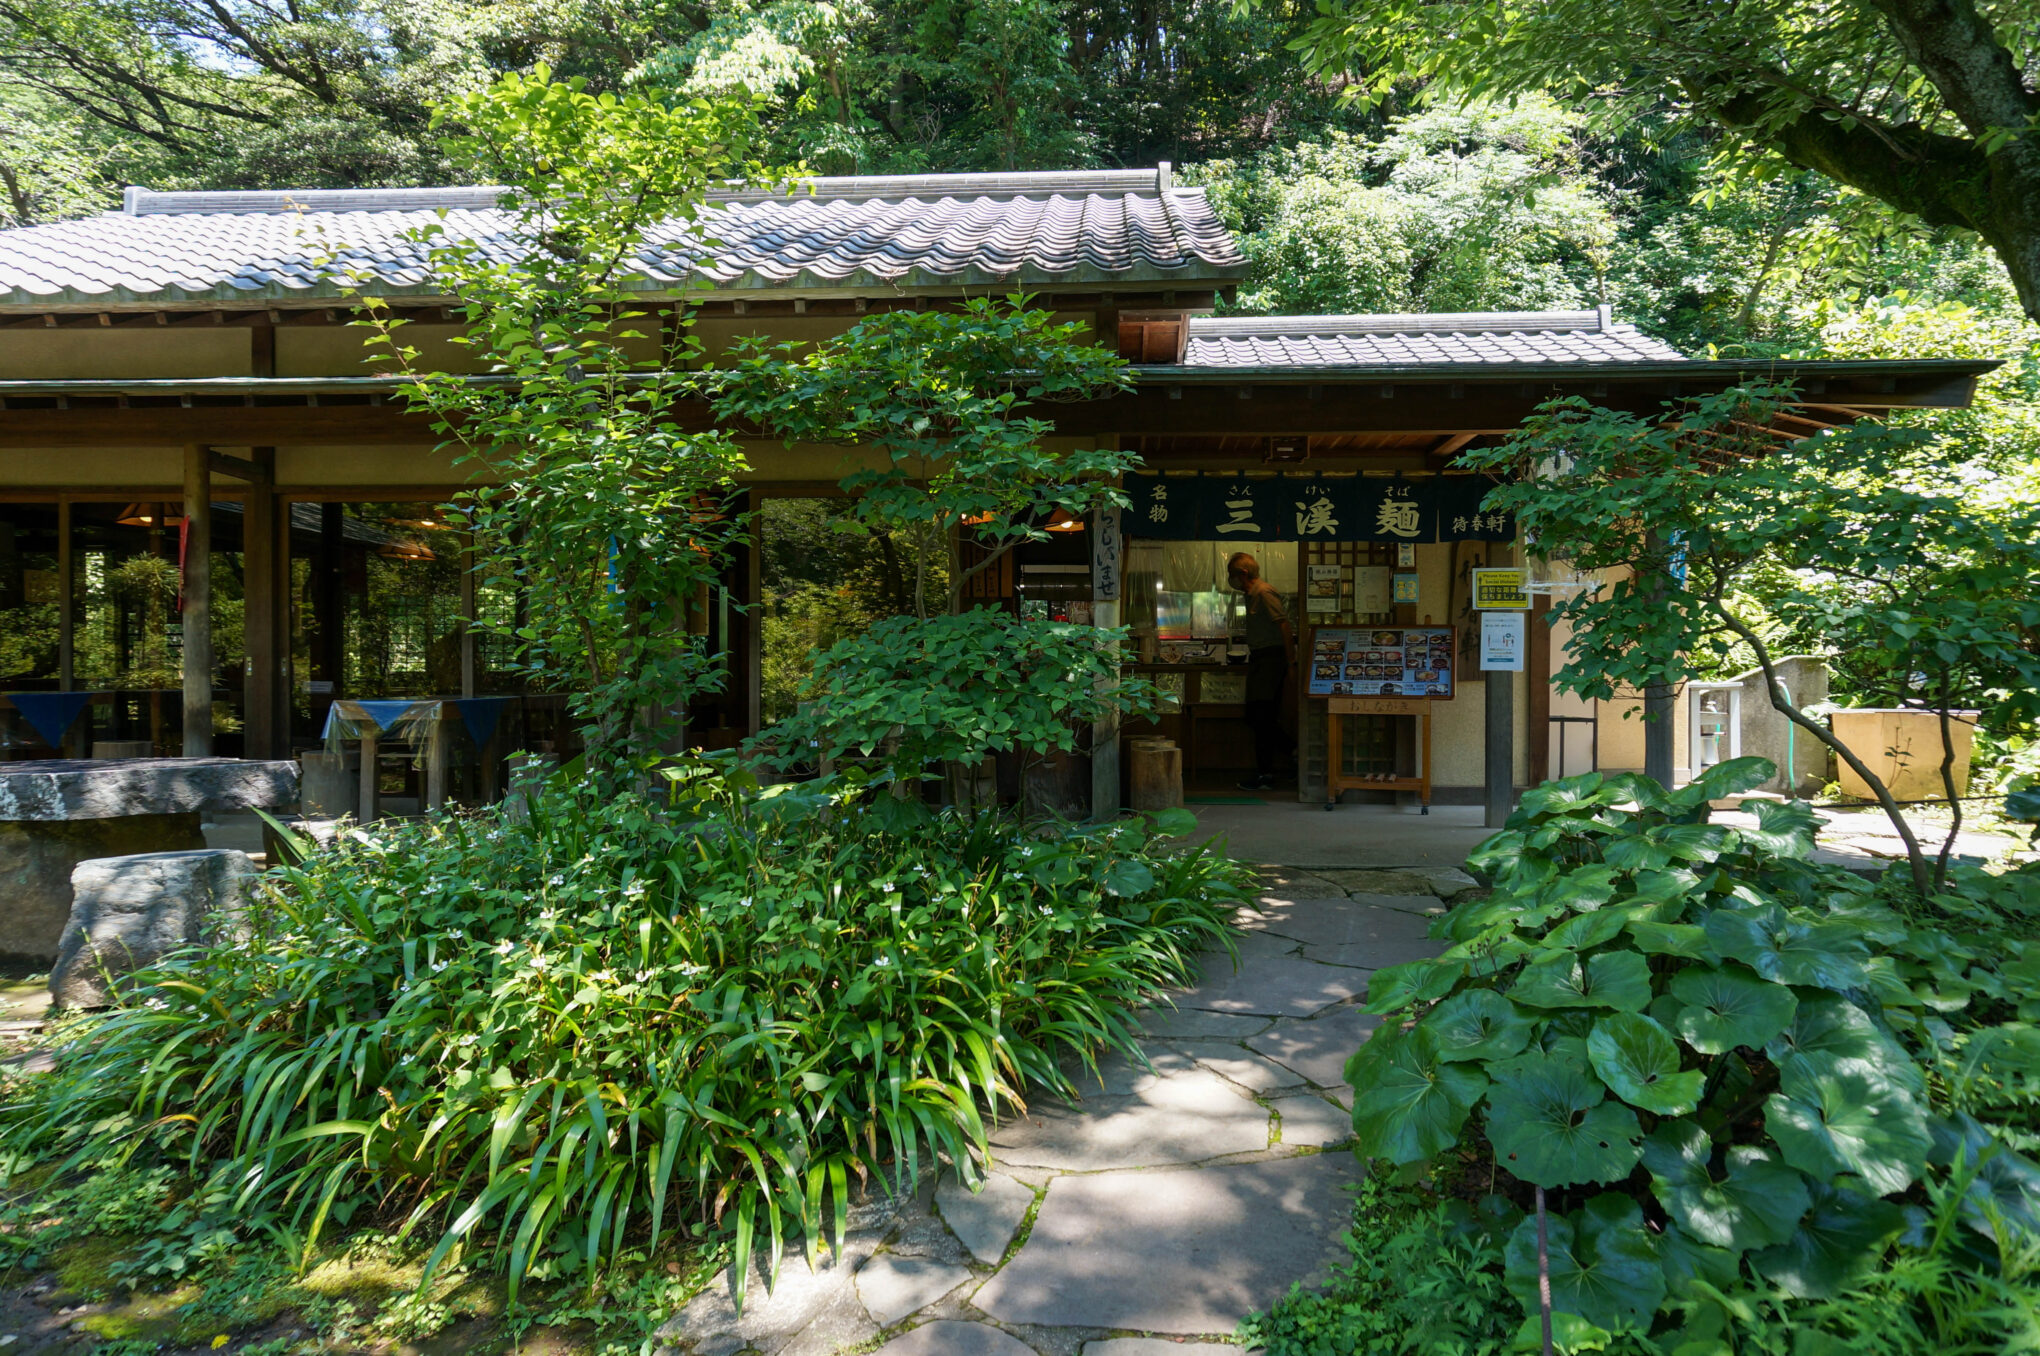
{"x":1730,"y":1068}
{"x":960,"y":689}
{"x":952,"y":465}
{"x":607,"y":510}
{"x":563,"y":1030}
{"x":1699,"y":530}
{"x":335,"y":93}
{"x":1926,"y":107}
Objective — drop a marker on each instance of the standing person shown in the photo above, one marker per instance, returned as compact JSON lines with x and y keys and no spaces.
{"x":1269,"y":638}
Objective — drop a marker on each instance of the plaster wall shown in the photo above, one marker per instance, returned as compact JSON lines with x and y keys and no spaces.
{"x":1459,"y":735}
{"x":133,"y":355}
{"x":86,"y":468}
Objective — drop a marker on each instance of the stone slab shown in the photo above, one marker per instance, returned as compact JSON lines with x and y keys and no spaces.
{"x":1157,"y":1346}
{"x":710,"y":1321}
{"x":1185,"y":1119}
{"x":986,"y":1221}
{"x":1274,"y":986}
{"x":1311,"y":1122}
{"x":1178,"y":1024}
{"x":891,"y":1287}
{"x":128,"y":912}
{"x":1449,"y":882}
{"x":1364,"y":935}
{"x":1381,"y":882}
{"x":1184,"y":1251}
{"x":1239,"y":1066}
{"x":952,"y":1337}
{"x":57,"y":789}
{"x":37,"y":859}
{"x":1319,"y":1048}
{"x":1118,"y":1074}
{"x":1288,"y":882}
{"x":841,"y":1323}
{"x":1247,"y":946}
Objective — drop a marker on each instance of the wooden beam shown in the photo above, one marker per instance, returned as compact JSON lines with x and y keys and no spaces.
{"x":1451,"y":444}
{"x":197,"y":602}
{"x":240,"y":468}
{"x":229,"y":426}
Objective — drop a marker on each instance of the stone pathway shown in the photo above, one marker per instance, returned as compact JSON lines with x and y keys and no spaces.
{"x":1149,"y":1217}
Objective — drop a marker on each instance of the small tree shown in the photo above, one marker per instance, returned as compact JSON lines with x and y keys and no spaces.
{"x":963,"y":472}
{"x":1844,"y":533}
{"x":605,"y":507}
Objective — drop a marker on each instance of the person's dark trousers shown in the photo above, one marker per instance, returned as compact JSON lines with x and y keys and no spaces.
{"x":1267,"y":670}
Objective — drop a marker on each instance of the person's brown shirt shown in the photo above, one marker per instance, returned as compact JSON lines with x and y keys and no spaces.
{"x":1265,"y":616}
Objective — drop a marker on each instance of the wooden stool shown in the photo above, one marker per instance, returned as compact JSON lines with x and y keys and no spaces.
{"x":1157,"y":775}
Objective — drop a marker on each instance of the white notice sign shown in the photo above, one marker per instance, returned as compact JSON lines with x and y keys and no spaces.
{"x":1504,"y":636}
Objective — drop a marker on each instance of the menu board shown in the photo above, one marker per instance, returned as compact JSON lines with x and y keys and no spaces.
{"x":1382,"y":661}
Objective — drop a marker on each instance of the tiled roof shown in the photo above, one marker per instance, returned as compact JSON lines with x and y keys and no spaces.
{"x":1475,"y":338}
{"x":930,"y":230}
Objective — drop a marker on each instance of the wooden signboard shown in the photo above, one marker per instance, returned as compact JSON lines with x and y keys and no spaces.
{"x":1380,"y":671}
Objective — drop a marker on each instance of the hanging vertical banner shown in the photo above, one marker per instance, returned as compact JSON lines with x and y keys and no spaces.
{"x":1243,"y":508}
{"x":1461,"y":516}
{"x":1164,"y":508}
{"x":1397,"y":510}
{"x":1105,"y":547}
{"x":1319,"y":509}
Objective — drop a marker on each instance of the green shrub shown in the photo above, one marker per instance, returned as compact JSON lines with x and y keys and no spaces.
{"x":1423,"y":1275}
{"x":566,"y":1030}
{"x":1732,"y":1068}
{"x":1425,"y":1278}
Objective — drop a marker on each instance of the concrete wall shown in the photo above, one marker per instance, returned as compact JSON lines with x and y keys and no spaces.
{"x":1766,"y":732}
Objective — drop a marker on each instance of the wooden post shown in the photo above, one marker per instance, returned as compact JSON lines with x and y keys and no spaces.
{"x":67,"y":605}
{"x":438,"y":755}
{"x":264,"y":684}
{"x":1501,"y":747}
{"x":198,"y":647}
{"x":1501,"y":731}
{"x":371,"y":746}
{"x":467,"y":619}
{"x":1540,"y":689}
{"x":1105,"y":589}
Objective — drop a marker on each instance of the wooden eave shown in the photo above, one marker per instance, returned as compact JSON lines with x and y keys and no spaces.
{"x":1438,"y":404}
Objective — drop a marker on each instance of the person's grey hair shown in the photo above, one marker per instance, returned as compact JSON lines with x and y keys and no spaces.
{"x":1243,"y":565}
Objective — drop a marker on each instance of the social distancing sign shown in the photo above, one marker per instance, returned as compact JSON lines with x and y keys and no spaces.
{"x":1499,"y":591}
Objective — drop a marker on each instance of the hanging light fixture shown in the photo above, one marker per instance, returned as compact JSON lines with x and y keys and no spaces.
{"x":147,"y":515}
{"x":405,"y":550}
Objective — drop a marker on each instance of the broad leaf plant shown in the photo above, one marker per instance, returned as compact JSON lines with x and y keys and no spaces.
{"x":1724,"y":1062}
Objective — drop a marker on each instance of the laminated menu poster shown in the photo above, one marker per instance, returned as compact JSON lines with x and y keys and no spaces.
{"x":1381,"y":661}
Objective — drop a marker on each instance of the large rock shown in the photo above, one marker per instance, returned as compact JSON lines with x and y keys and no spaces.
{"x":58,"y":812}
{"x":37,"y":859}
{"x":57,"y":789}
{"x":129,"y":911}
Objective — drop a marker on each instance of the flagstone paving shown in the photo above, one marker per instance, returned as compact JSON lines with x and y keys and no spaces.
{"x":1177,"y":1194}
